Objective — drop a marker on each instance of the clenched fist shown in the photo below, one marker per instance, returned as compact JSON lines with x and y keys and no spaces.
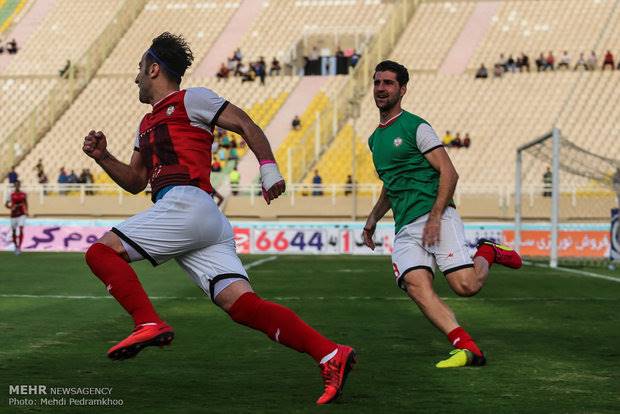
{"x":95,"y":145}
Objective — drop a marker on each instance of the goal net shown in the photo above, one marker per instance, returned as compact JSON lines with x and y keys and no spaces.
{"x":565,"y":200}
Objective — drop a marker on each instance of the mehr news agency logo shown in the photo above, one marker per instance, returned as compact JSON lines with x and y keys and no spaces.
{"x":42,"y":395}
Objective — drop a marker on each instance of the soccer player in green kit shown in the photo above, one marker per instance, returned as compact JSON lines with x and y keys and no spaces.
{"x":418,"y":184}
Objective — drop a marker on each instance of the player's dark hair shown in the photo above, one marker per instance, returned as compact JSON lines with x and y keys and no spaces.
{"x":402,"y":74}
{"x":172,"y":53}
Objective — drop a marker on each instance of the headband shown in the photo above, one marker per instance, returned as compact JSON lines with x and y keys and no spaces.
{"x":162,"y":63}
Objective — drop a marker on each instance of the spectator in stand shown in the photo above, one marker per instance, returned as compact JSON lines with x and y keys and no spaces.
{"x":540,"y":63}
{"x":63,"y":179}
{"x":42,"y":179}
{"x":215,"y":165}
{"x":456,"y":142}
{"x":73,"y":179}
{"x":355,"y":58}
{"x":11,"y":47}
{"x":581,"y":62}
{"x":549,"y":61}
{"x":237,"y":55}
{"x":564,"y":61}
{"x":466,"y":141}
{"x":215,"y":146}
{"x":525,"y":62}
{"x":232,"y":64}
{"x":275,"y":67}
{"x":616,"y":184}
{"x":317,"y":189}
{"x":233,"y":155}
{"x":223,"y":73}
{"x":547,"y":182}
{"x":592,"y":61}
{"x":296,"y":123}
{"x":502,"y":63}
{"x":39,"y":167}
{"x":235,"y":179}
{"x":482,"y":72}
{"x":86,"y":178}
{"x":261,"y":69}
{"x":498,"y":70}
{"x":233,"y":143}
{"x":348,"y":189}
{"x":13,"y":176}
{"x":224,"y":140}
{"x":248,"y":74}
{"x":608,"y":61}
{"x":223,"y":154}
{"x":1,"y":47}
{"x":217,"y":196}
{"x":447,"y":139}
{"x":511,"y":65}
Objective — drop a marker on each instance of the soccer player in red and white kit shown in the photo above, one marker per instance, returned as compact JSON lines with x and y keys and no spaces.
{"x":18,"y":204}
{"x":172,"y":152}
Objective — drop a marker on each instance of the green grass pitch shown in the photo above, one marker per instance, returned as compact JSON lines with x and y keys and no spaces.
{"x":551,"y":339}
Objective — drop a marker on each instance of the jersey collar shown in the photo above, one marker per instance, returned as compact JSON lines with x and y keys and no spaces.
{"x":390,"y":121}
{"x":164,"y":98}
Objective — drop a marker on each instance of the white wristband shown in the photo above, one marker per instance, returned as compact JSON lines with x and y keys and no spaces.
{"x":270,"y":175}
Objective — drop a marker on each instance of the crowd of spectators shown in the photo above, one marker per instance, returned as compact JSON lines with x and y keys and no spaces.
{"x":9,"y":47}
{"x":249,"y":72}
{"x":548,"y":62}
{"x":456,"y":141}
{"x":325,"y":63}
{"x":224,"y":149}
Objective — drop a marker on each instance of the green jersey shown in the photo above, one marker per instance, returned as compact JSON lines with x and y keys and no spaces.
{"x":410,"y":181}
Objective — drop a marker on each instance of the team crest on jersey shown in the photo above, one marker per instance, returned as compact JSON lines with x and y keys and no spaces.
{"x":398,"y":141}
{"x":170,"y":110}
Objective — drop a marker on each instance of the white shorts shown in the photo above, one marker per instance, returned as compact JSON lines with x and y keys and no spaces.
{"x":18,"y":221}
{"x":450,"y":254}
{"x":186,"y":225}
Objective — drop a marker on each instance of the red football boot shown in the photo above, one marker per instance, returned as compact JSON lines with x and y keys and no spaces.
{"x":334,"y":373}
{"x":151,"y":334}
{"x":504,"y":255}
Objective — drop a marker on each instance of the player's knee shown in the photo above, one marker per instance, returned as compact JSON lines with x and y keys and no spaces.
{"x":419,"y":292}
{"x":244,"y":308}
{"x":466,"y":288}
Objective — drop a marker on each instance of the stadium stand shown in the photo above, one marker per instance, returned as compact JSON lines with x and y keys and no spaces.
{"x":542,"y":26}
{"x":17,"y":96}
{"x":282,"y":24}
{"x":58,"y":38}
{"x":200,"y":22}
{"x":441,"y":22}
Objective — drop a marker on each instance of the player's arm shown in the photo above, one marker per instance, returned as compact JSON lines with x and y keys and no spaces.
{"x":448,"y":177}
{"x":132,"y":177}
{"x":236,"y":120}
{"x":381,"y":207}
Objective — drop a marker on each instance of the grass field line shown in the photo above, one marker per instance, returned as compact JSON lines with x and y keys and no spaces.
{"x":576,"y":272}
{"x":260,"y":262}
{"x":321,"y":298}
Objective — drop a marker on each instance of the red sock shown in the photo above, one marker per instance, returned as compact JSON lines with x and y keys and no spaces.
{"x":21,"y":237}
{"x":487,"y":253}
{"x":122,"y":282}
{"x":281,"y":325}
{"x":460,"y":339}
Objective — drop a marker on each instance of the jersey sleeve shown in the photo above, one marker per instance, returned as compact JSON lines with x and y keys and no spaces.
{"x":426,"y":139}
{"x":203,"y":106}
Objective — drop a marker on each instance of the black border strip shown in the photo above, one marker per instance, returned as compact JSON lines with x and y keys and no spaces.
{"x":400,"y":278}
{"x":454,"y":269}
{"x":219,"y":112}
{"x":134,"y":245}
{"x":221,"y":277}
{"x":432,"y":149}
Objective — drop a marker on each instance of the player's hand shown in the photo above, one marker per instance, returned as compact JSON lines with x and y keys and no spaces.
{"x":95,"y":145}
{"x":367,"y":233}
{"x":430,"y":235}
{"x":272,"y":182}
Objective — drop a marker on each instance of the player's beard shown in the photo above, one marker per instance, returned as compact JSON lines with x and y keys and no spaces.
{"x":389,"y":103}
